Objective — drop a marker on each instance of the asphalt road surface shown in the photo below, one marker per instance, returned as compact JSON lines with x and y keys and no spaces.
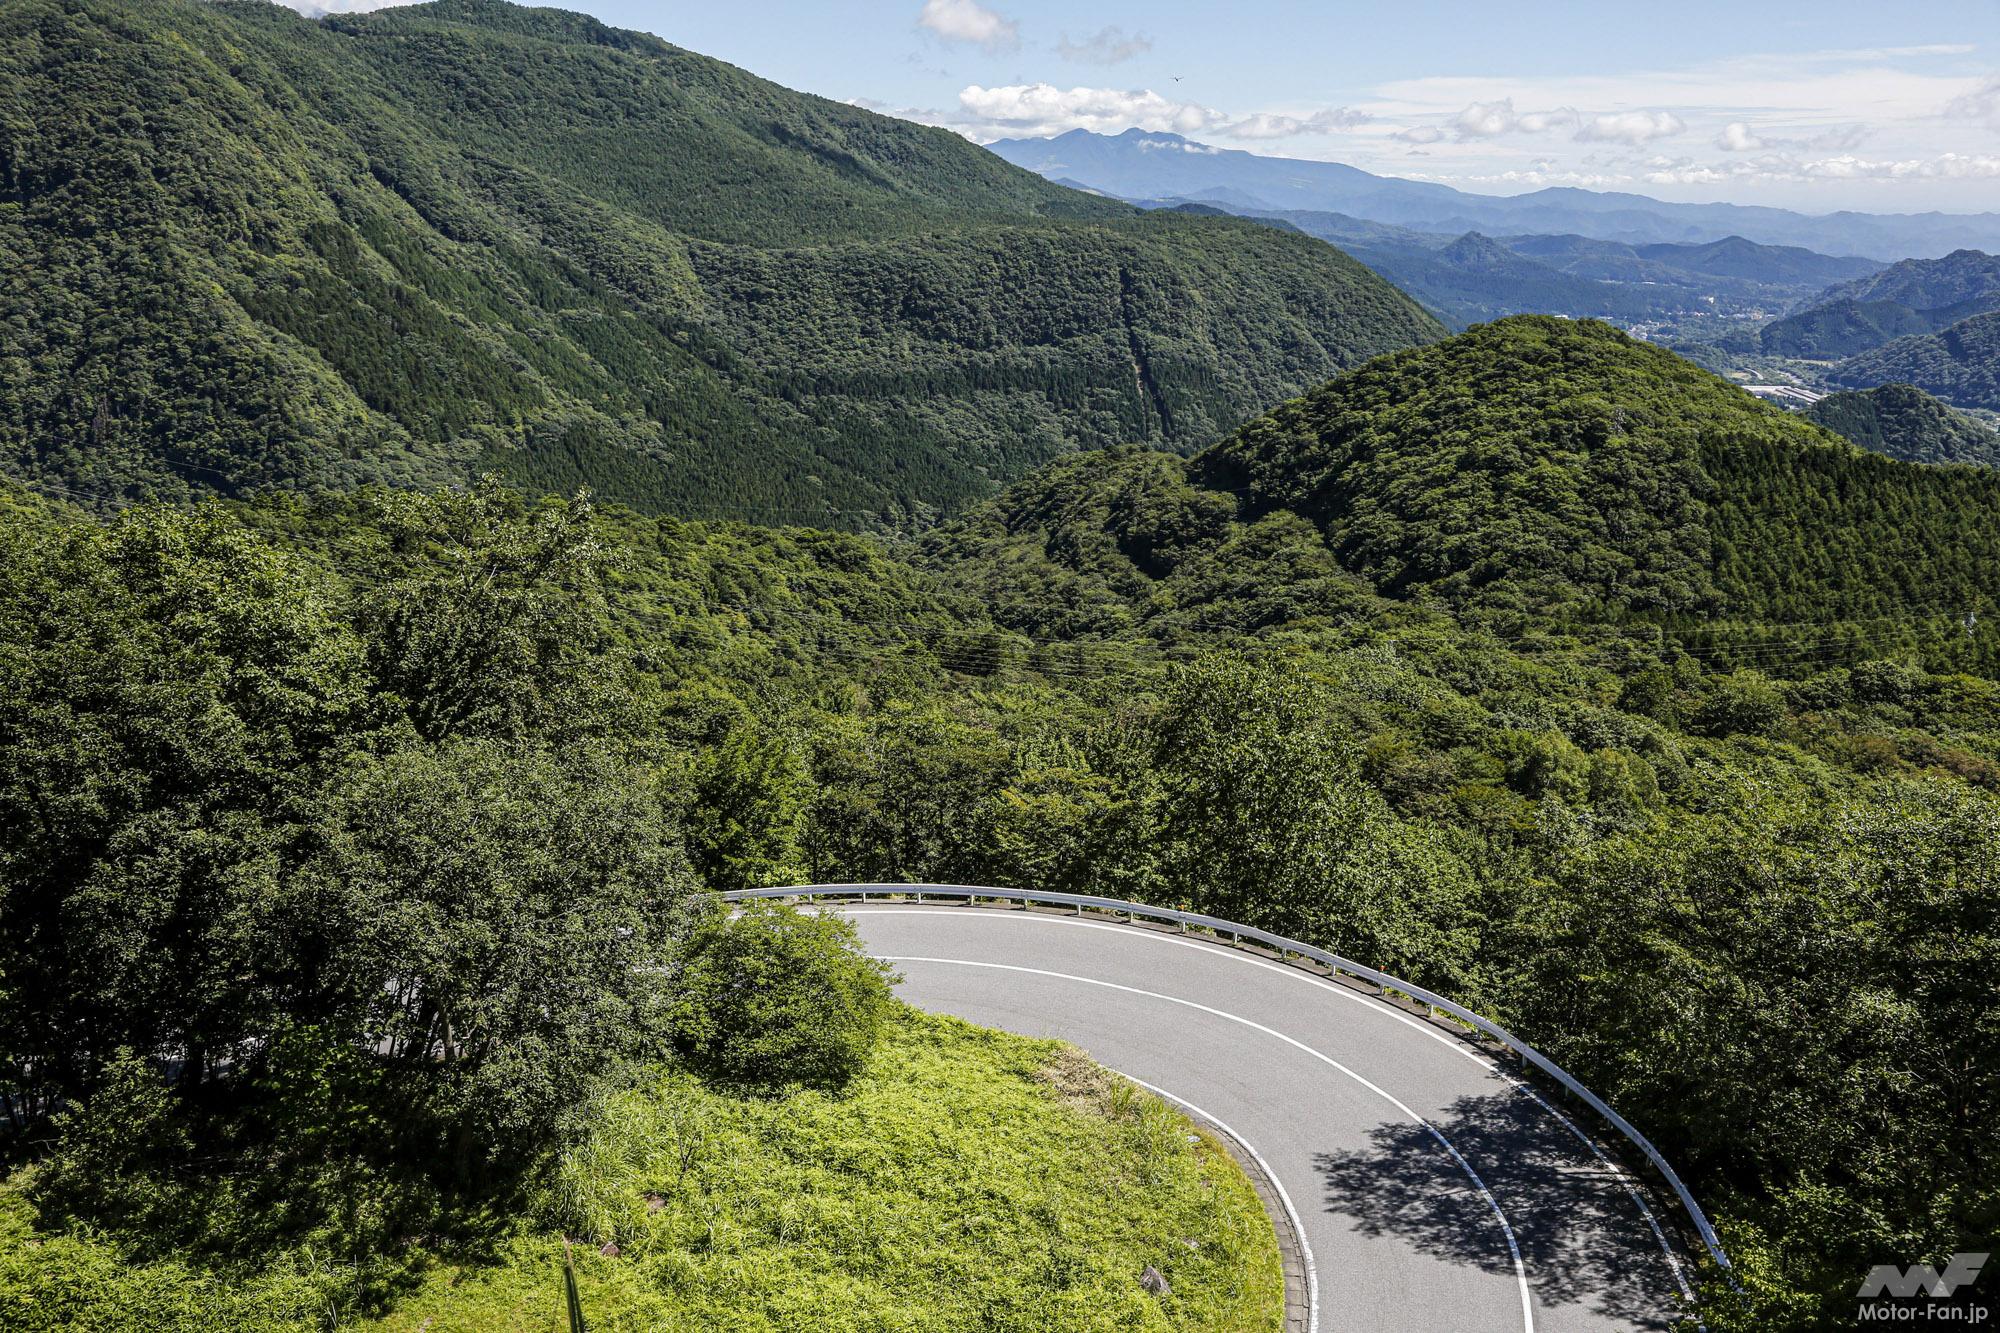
{"x":1434,"y":1192}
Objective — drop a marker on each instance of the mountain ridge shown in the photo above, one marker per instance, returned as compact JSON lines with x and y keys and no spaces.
{"x":1531,"y":467}
{"x":1143,"y":164}
{"x":429,"y":241}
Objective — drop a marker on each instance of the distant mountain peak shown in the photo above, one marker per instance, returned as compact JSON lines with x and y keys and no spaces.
{"x":1159,"y":164}
{"x":1477,"y":247}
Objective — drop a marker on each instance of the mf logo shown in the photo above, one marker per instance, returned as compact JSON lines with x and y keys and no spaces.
{"x":1922,"y":1279}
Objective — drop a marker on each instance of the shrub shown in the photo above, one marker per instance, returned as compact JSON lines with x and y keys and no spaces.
{"x":1743,"y":704}
{"x":775,"y":996}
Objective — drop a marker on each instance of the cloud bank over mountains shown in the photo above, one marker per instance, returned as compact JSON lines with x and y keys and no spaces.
{"x":1789,"y":121}
{"x":1883,"y":127}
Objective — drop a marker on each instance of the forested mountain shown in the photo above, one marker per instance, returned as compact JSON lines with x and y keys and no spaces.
{"x":1139,"y":164}
{"x":1470,"y":278}
{"x":1442,"y":551}
{"x":1847,"y":328}
{"x":1904,"y":422}
{"x":1533,"y":466}
{"x":351,"y":814}
{"x":245,"y":249}
{"x":1535,"y":665}
{"x":1960,"y":365}
{"x":1926,"y":284}
{"x":1915,"y":297}
{"x":1766,"y":265}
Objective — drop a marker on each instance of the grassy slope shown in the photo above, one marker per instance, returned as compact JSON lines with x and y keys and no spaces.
{"x":974,"y":1181}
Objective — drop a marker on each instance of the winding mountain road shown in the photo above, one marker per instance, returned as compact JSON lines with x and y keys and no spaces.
{"x":1435,"y":1193}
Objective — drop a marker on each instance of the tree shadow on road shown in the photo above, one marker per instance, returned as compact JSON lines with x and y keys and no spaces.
{"x":1583,"y":1239}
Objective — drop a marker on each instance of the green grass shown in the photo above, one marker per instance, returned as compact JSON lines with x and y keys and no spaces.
{"x":972,"y":1181}
{"x":81,"y":1283}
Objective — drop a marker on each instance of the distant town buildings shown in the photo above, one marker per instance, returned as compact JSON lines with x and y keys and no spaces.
{"x":1785,"y":395}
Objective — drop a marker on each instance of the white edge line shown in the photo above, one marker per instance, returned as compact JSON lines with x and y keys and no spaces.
{"x":1673,"y":1261}
{"x":1291,"y":1213}
{"x":1507,"y":1229}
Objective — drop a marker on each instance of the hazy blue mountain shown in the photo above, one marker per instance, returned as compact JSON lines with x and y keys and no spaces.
{"x":1775,"y":265}
{"x":1467,"y":279}
{"x":1471,"y":277}
{"x":1926,"y":284}
{"x":1848,"y":328}
{"x":1142,"y":165}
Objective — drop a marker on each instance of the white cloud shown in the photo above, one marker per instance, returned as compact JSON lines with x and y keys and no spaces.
{"x":1486,"y":120}
{"x":970,"y":21}
{"x":1109,"y":46}
{"x":1036,"y":110}
{"x":1633,"y":127}
{"x":1270,"y":125}
{"x":1949,"y":166}
{"x":1981,"y":103}
{"x":1420,"y":134}
{"x":1738,"y":137}
{"x":1791,"y":169}
{"x":1489,"y":120}
{"x":1031,"y":110}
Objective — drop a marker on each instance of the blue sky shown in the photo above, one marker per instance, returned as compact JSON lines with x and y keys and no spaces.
{"x":1822,"y":106}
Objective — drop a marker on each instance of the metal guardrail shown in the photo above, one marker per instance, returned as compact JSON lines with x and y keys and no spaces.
{"x":1238,"y":934}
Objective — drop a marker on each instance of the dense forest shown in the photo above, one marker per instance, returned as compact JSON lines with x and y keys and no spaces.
{"x":1914,"y":297}
{"x":1652,"y":721}
{"x":1926,"y":284}
{"x":1904,"y":422}
{"x":474,"y":481}
{"x":246,"y":250}
{"x":1847,"y":328}
{"x":1960,"y":365}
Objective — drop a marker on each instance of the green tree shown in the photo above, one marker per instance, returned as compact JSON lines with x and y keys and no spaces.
{"x":776,"y":996}
{"x":1262,"y":817}
{"x":495,"y":920}
{"x":490,"y":619}
{"x":1744,"y":703}
{"x":746,"y":799}
{"x":171,"y":691}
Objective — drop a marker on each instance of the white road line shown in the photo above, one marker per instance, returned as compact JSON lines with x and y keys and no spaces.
{"x":1291,"y":1213}
{"x":1373,"y":1005}
{"x":1513,"y":1245}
